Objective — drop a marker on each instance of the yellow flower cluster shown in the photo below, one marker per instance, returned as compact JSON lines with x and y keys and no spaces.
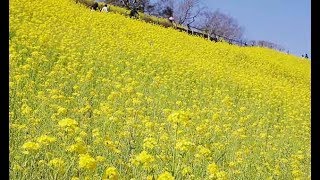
{"x":68,"y":122}
{"x":143,"y":159}
{"x":102,"y":96}
{"x":183,"y":145}
{"x":79,"y":147}
{"x":165,"y":176}
{"x":57,"y":163}
{"x":214,"y":172}
{"x":149,"y":143}
{"x":87,"y":162}
{"x":31,"y":146}
{"x":46,"y":140}
{"x":179,"y":118}
{"x":111,"y":174}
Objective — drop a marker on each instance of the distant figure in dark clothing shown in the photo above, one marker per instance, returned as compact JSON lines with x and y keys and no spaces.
{"x":134,"y":13}
{"x":302,"y":55}
{"x":306,"y":56}
{"x":215,"y":39}
{"x":189,"y":28}
{"x":94,"y":7}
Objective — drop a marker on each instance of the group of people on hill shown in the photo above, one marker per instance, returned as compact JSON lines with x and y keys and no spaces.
{"x":305,"y":56}
{"x":95,"y":7}
{"x":133,"y":12}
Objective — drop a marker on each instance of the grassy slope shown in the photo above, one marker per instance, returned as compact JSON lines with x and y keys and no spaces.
{"x":63,"y":55}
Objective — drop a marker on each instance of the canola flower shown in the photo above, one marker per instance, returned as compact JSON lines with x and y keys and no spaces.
{"x":57,"y":163}
{"x":87,"y":162}
{"x":100,"y":159}
{"x":130,"y":103}
{"x":165,"y":176}
{"x":180,"y":118}
{"x":212,"y":169}
{"x":111,"y":173}
{"x":31,"y":146}
{"x":79,"y":147}
{"x":149,"y":143}
{"x":68,"y":123}
{"x":186,"y":171}
{"x":144,"y":158}
{"x":46,"y":140}
{"x":184,"y":145}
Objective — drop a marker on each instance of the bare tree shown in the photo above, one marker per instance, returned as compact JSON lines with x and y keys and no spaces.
{"x":161,"y":6}
{"x":130,"y":4}
{"x":268,"y":44}
{"x":167,"y":12}
{"x":221,"y":25}
{"x":184,"y":11}
{"x":148,"y":8}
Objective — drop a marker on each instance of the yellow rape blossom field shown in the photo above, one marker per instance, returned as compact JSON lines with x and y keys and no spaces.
{"x":103,"y":96}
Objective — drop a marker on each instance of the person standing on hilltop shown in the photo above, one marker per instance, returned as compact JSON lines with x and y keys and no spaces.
{"x":171,"y":19}
{"x":134,"y":13}
{"x":95,"y":6}
{"x":105,"y":8}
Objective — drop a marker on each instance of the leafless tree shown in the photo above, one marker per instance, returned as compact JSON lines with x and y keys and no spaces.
{"x":184,"y":11}
{"x":221,"y":25}
{"x":161,"y":6}
{"x":129,"y":4}
{"x":268,"y":44}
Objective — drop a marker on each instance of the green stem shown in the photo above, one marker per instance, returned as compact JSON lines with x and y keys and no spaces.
{"x":174,"y":150}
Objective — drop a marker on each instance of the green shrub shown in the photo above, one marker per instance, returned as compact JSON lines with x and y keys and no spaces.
{"x":147,"y":18}
{"x":165,"y":23}
{"x":119,"y":10}
{"x":87,"y":3}
{"x":100,"y":5}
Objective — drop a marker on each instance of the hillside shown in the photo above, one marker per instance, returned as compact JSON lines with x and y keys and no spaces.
{"x":101,"y":95}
